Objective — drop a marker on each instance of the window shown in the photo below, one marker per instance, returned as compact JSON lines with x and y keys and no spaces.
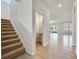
{"x":67,"y":27}
{"x":7,"y":1}
{"x":53,"y":28}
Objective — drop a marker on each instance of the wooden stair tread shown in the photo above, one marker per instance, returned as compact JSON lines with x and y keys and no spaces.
{"x":12,"y":52}
{"x":5,"y":20}
{"x":4,"y":47}
{"x":8,"y":32}
{"x":11,"y":46}
{"x":4,"y":23}
{"x":9,"y":40}
{"x":8,"y":35}
{"x":7,"y":28}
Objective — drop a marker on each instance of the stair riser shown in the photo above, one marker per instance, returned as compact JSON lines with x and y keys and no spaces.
{"x":9,"y":42}
{"x":7,"y":29}
{"x":6,"y":50}
{"x":8,"y":38}
{"x":12,"y":56}
{"x":8,"y":33}
{"x":6,"y":25}
{"x":19,"y":53}
{"x":5,"y":22}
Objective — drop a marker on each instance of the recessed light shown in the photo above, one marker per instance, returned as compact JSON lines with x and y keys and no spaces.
{"x":59,"y":5}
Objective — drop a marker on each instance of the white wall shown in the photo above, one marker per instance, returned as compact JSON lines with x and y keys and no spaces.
{"x":5,"y":11}
{"x":21,"y":15}
{"x":74,"y":22}
{"x":39,"y":22}
{"x":40,"y":7}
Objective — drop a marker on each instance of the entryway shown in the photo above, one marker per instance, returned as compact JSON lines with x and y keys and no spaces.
{"x":39,"y":28}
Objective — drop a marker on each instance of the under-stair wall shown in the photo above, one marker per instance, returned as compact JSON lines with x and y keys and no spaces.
{"x":21,"y":15}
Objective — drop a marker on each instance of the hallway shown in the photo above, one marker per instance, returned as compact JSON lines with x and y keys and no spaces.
{"x":55,"y":50}
{"x":32,"y":20}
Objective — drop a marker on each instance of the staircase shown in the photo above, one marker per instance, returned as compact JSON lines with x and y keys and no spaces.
{"x":11,"y":46}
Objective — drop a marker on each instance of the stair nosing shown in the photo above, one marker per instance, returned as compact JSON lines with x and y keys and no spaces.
{"x":8,"y":35}
{"x":14,"y":51}
{"x":4,"y":47}
{"x":9,"y":40}
{"x":5,"y":23}
{"x":5,"y":20}
{"x":8,"y":28}
{"x":8,"y":32}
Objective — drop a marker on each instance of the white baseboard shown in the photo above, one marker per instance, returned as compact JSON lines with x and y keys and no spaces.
{"x":30,"y":53}
{"x":45,"y":44}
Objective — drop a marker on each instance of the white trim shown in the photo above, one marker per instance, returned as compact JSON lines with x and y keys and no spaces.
{"x":30,"y":53}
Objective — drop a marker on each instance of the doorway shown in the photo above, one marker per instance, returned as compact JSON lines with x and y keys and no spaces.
{"x":53,"y":30}
{"x":38,"y":28}
{"x":61,"y":31}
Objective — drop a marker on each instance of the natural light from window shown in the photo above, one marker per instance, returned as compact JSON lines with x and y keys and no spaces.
{"x":7,"y":1}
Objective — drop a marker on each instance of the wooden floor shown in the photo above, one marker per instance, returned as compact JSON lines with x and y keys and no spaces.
{"x":55,"y":50}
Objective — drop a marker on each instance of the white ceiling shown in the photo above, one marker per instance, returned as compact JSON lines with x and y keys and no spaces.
{"x":64,"y":12}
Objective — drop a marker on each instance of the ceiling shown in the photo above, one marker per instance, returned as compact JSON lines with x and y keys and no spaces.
{"x":56,"y":13}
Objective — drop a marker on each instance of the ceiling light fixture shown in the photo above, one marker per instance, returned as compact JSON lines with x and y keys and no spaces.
{"x":59,"y":5}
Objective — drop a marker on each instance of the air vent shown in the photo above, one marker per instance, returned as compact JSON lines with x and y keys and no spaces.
{"x":17,"y":0}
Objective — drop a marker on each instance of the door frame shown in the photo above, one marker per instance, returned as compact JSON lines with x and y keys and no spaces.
{"x":39,"y":12}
